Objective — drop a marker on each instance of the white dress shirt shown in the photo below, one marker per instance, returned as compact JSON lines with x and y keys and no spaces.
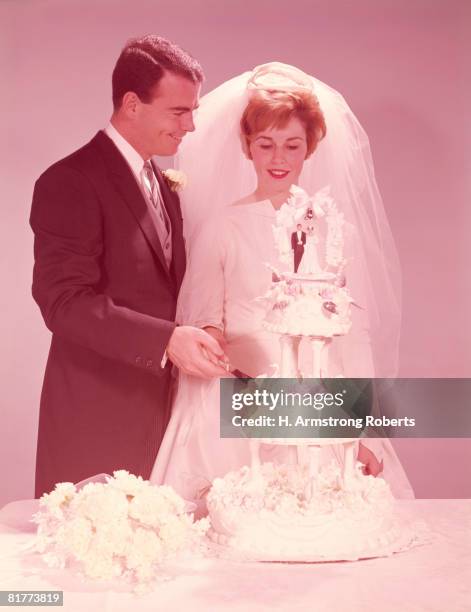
{"x":134,"y":160}
{"x":136,"y":163}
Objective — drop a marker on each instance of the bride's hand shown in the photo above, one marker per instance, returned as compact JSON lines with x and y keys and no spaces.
{"x":217,"y":335}
{"x":372,"y":467}
{"x":196,"y":352}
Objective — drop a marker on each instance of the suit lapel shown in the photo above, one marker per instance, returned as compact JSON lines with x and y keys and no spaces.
{"x":128,"y":188}
{"x":173,"y":210}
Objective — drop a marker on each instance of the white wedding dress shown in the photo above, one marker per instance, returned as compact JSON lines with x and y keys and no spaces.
{"x":310,"y":261}
{"x":227,"y":272}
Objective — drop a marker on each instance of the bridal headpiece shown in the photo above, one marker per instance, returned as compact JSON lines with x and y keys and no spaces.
{"x":276,"y":76}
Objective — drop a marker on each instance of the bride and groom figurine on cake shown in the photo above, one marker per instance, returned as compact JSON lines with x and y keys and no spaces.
{"x":307,"y":261}
{"x":110,"y":264}
{"x":304,"y":246}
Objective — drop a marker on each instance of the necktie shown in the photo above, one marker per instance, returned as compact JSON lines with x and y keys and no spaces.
{"x":151,"y":188}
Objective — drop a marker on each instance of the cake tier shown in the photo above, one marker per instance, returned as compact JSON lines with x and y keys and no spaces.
{"x":308,"y":308}
{"x":271,"y":518}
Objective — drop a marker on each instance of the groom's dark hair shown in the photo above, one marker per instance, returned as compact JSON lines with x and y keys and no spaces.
{"x":144,"y":61}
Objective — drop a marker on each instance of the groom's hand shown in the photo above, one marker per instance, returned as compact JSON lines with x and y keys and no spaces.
{"x":195,"y":352}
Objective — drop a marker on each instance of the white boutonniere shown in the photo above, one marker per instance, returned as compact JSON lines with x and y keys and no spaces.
{"x":175,"y":179}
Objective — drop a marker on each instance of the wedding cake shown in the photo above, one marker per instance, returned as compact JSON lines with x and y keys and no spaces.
{"x":272,"y":518}
{"x":306,"y":511}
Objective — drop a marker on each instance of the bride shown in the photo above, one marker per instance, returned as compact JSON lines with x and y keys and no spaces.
{"x":310,"y":261}
{"x":256,"y":136}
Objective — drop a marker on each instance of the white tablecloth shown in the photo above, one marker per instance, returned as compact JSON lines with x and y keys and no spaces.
{"x":435,"y":577}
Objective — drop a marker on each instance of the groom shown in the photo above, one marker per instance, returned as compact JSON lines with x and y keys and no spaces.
{"x":109,"y":262}
{"x":298,"y":241}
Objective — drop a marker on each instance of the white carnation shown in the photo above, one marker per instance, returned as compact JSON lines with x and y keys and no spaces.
{"x":124,"y":528}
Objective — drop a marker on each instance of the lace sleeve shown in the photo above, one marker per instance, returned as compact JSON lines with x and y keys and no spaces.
{"x":201,"y":299}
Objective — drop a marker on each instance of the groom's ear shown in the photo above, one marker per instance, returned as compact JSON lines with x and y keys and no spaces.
{"x":130,"y":103}
{"x":244,"y":142}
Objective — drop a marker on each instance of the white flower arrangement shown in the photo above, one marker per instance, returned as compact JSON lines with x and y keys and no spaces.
{"x":125,"y":527}
{"x":175,"y":179}
{"x":294,"y":210}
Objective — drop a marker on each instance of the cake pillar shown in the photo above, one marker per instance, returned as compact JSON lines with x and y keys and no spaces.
{"x":289,"y":356}
{"x":318,"y":347}
{"x":310,"y":455}
{"x":254,"y":446}
{"x":314,"y":465}
{"x":349,"y":462}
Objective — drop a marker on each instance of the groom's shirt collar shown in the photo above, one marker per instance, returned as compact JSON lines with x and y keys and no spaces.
{"x":135,"y":161}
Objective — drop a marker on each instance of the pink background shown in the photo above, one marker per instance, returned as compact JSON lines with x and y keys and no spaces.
{"x":400,"y":64}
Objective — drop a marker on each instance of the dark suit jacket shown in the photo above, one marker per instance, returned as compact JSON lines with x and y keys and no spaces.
{"x":294,"y":240}
{"x":106,"y":294}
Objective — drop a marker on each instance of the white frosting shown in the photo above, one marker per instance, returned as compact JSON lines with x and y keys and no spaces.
{"x":270,"y":517}
{"x":300,"y":308}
